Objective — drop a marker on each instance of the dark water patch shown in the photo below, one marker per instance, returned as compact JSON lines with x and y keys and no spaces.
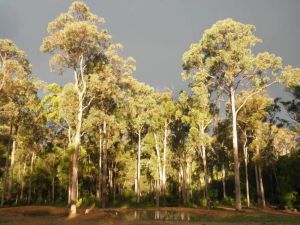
{"x":164,"y":215}
{"x":38,"y":213}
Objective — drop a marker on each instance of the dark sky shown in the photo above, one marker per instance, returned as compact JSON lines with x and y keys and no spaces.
{"x":156,"y":32}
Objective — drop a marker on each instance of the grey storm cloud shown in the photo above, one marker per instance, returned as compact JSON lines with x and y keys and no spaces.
{"x":156,"y":33}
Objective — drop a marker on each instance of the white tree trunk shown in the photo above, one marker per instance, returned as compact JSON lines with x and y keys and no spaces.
{"x":100,"y":167}
{"x":158,"y":183}
{"x":224,"y":181}
{"x":164,"y":176}
{"x":260,"y":181}
{"x":6,"y":172}
{"x":203,"y":154}
{"x":139,"y":168}
{"x":77,"y":142}
{"x":104,"y":170}
{"x":12,"y":163}
{"x":238,"y":203}
{"x":245,"y":149}
{"x":30,"y":177}
{"x":80,"y":86}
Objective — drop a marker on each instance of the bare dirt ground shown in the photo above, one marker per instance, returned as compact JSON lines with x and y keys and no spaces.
{"x":47,"y":215}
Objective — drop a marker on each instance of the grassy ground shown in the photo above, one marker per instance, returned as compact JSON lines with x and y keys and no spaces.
{"x":46,"y":215}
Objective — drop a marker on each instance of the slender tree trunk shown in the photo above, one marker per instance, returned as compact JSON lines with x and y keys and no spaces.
{"x":30,"y":177}
{"x":81,"y":87}
{"x":260,"y":181}
{"x":180,"y":182}
{"x":12,"y":163}
{"x":139,"y":168}
{"x":114,"y":182}
{"x":183,"y":182}
{"x":203,"y":154}
{"x":104,"y":173}
{"x":135,"y":183}
{"x":6,"y":172}
{"x":261,"y":185}
{"x":100,"y":166}
{"x":70,"y":183}
{"x":257,"y":185}
{"x":53,"y":188}
{"x":157,"y":192}
{"x":77,"y":142}
{"x":188,"y":181}
{"x":160,"y":172}
{"x":23,"y":183}
{"x":245,"y":149}
{"x":11,"y":170}
{"x":164,"y":177}
{"x":224,"y":181}
{"x":110,"y":176}
{"x":238,"y":203}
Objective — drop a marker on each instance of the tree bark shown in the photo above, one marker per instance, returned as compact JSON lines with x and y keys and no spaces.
{"x":12,"y":163}
{"x":260,"y":181}
{"x":6,"y":172}
{"x":104,"y":171}
{"x":238,"y":203}
{"x":30,"y":177}
{"x":80,"y":86}
{"x":203,"y":154}
{"x":100,"y":167}
{"x":114,"y":182}
{"x":164,"y":177}
{"x":188,"y":181}
{"x":53,"y":188}
{"x":261,"y":186}
{"x":224,"y":181}
{"x":23,"y":183}
{"x":77,"y":142}
{"x":180,"y":182}
{"x":70,"y":182}
{"x":139,"y":168}
{"x":245,"y":149}
{"x":157,"y":192}
{"x":158,"y":182}
{"x":257,"y":185}
{"x":183,"y":183}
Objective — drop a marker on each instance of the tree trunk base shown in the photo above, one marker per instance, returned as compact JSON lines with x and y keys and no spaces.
{"x":73,"y":211}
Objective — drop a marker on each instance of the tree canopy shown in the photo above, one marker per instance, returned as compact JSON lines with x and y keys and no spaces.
{"x":108,"y":139}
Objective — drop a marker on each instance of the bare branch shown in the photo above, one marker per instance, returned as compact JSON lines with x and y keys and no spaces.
{"x":89,"y":103}
{"x":252,"y":94}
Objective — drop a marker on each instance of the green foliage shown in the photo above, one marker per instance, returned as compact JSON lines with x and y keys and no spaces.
{"x":288,"y":187}
{"x":183,"y":138}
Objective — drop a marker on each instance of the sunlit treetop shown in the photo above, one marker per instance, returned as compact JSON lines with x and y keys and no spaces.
{"x":291,"y":78}
{"x":224,"y":56}
{"x":13,"y":61}
{"x":75,"y":34}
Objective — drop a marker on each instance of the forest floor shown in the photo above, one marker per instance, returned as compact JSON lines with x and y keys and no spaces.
{"x":47,"y":215}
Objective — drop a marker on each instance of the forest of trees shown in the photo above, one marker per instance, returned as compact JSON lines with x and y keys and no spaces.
{"x":111,"y":140}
